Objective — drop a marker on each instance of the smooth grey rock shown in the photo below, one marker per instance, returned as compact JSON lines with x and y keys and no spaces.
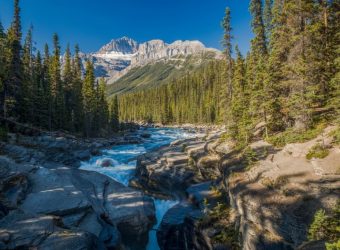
{"x":19,"y":230}
{"x":53,"y":193}
{"x":130,"y":210}
{"x":71,"y":240}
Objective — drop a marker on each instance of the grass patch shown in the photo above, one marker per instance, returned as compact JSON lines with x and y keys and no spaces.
{"x":317,"y":151}
{"x":336,"y":135}
{"x":294,"y":136}
{"x":250,"y":157}
{"x":274,"y":184}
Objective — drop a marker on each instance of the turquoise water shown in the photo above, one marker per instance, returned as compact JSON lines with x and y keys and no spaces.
{"x":123,"y":158}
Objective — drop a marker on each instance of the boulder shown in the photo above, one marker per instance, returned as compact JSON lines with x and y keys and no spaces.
{"x":107,"y":162}
{"x":131,"y":211}
{"x":146,"y":135}
{"x":179,"y":229}
{"x":53,"y":193}
{"x":22,"y":231}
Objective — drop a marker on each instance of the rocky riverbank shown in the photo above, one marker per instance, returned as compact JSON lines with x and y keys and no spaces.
{"x":262,"y":197}
{"x":46,"y":202}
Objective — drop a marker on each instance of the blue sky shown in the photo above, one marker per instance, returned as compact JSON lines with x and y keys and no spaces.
{"x":92,"y":23}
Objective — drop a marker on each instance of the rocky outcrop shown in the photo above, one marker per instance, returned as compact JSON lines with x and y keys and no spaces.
{"x":63,"y":207}
{"x":166,"y":172}
{"x":273,"y":193}
{"x":277,"y":197}
{"x":21,"y":231}
{"x":170,"y":170}
{"x":51,"y":150}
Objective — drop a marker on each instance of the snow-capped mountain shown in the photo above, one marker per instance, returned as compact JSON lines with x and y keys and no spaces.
{"x":119,"y":56}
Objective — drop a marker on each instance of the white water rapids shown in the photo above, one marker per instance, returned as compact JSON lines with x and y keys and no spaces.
{"x":124,"y":158}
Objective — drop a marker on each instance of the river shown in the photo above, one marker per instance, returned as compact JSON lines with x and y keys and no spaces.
{"x":124,"y":158}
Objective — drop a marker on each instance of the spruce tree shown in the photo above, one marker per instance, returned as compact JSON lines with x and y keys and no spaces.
{"x":27,"y":90}
{"x":274,"y":86}
{"x":12,"y":98}
{"x":77,"y":85}
{"x":268,"y":18}
{"x":48,"y":100}
{"x":57,"y":90}
{"x":89,"y":100}
{"x":257,"y":69}
{"x":227,"y":92}
{"x":2,"y":64}
{"x":114,"y":114}
{"x":334,"y":89}
{"x":103,"y":109}
{"x":68,"y":82}
{"x":259,"y":42}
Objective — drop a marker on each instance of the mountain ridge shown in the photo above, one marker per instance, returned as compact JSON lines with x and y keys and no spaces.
{"x":116,"y":58}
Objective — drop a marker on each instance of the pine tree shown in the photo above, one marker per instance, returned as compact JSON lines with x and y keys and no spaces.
{"x":257,"y":68}
{"x":259,"y":42}
{"x":334,"y":89}
{"x":268,"y":18}
{"x":114,"y":114}
{"x":275,"y":75}
{"x":47,"y":89}
{"x":2,"y":63}
{"x":12,"y":86}
{"x":227,"y":92}
{"x":68,"y":82}
{"x":77,"y":85}
{"x":57,"y":90}
{"x":102,"y":111}
{"x":238,"y":107}
{"x":27,"y":90}
{"x":89,"y":99}
{"x":38,"y":99}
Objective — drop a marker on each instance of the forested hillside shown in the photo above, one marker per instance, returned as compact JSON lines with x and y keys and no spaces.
{"x":35,"y":89}
{"x":160,"y":72}
{"x":289,"y":79}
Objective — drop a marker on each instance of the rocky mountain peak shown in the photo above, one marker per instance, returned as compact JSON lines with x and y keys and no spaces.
{"x":124,"y":45}
{"x":120,"y":55}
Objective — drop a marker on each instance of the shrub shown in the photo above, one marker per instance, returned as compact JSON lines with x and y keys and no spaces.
{"x":293,"y":136}
{"x":336,"y":135}
{"x":250,"y":156}
{"x":317,"y":151}
{"x":326,"y":227}
{"x":333,"y":246}
{"x":275,"y":184}
{"x":3,"y":134}
{"x":318,"y":228}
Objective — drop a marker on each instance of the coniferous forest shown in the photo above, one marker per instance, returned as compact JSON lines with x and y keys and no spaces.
{"x":193,"y":148}
{"x":36,"y":88}
{"x":288,"y":80}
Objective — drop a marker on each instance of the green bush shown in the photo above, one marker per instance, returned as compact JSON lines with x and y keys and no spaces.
{"x":317,"y":151}
{"x":3,"y":134}
{"x":293,"y":136}
{"x":336,"y":135}
{"x":326,"y":227}
{"x":333,"y":246}
{"x":250,"y":156}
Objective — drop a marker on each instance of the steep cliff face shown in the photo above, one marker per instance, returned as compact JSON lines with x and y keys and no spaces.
{"x":272,"y":198}
{"x":276,"y":199}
